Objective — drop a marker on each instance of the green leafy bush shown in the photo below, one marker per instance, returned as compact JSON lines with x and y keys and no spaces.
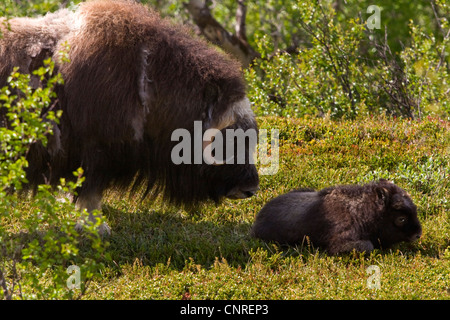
{"x":36,"y":252}
{"x":22,"y":7}
{"x":344,"y":70}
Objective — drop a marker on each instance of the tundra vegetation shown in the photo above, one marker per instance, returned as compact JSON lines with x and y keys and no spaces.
{"x":352,"y":105}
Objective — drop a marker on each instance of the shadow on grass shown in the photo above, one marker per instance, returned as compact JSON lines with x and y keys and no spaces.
{"x":166,"y":236}
{"x":155,"y":237}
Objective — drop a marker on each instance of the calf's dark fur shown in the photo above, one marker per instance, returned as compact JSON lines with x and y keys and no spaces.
{"x":341,"y":219}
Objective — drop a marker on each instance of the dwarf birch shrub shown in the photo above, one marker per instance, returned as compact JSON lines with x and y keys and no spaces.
{"x":345,"y":70}
{"x":38,"y":241}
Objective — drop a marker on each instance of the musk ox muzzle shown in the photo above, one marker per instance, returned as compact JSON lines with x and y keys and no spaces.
{"x":237,"y":193}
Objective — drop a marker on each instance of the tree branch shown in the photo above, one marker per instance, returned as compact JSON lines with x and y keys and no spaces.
{"x":446,"y":35}
{"x":4,"y":286}
{"x":236,"y":45}
{"x":241,"y":13}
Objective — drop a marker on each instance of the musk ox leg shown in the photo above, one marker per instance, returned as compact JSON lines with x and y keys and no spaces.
{"x":92,"y":201}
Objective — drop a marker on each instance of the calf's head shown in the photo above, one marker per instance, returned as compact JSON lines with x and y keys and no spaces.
{"x":400,"y":222}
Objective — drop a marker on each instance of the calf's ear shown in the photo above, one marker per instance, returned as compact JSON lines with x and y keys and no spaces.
{"x":383,"y":195}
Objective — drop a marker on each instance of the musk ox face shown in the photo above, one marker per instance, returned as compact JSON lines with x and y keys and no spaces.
{"x":220,"y":156}
{"x":133,"y":79}
{"x":231,"y":171}
{"x":400,"y":221}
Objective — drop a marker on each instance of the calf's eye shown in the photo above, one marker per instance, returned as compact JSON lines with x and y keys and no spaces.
{"x":400,"y":221}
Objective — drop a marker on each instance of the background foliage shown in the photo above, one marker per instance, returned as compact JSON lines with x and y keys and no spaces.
{"x":319,"y":57}
{"x":352,"y":105}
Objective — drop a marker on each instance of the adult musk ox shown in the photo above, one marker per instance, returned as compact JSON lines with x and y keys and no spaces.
{"x":341,"y":219}
{"x":133,"y":78}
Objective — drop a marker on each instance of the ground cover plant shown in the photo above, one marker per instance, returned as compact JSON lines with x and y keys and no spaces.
{"x":160,"y":252}
{"x":326,"y":138}
{"x":164,"y":253}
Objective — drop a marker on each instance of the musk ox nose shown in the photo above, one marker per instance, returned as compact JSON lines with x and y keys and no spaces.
{"x":249,"y":194}
{"x":415,"y":236}
{"x":237,"y":193}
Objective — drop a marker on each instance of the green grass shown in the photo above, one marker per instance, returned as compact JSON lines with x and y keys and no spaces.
{"x":161,"y":252}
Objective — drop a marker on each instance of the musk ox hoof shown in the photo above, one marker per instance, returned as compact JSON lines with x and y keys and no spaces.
{"x":103,"y":230}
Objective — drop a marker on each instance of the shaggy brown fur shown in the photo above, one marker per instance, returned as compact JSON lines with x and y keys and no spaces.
{"x":133,"y":78}
{"x":340,"y":219}
{"x":26,"y":42}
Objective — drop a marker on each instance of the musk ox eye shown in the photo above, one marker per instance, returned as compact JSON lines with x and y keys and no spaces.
{"x":400,"y":221}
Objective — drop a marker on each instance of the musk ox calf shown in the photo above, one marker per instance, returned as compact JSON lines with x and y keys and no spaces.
{"x":133,"y":78}
{"x":341,"y":219}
